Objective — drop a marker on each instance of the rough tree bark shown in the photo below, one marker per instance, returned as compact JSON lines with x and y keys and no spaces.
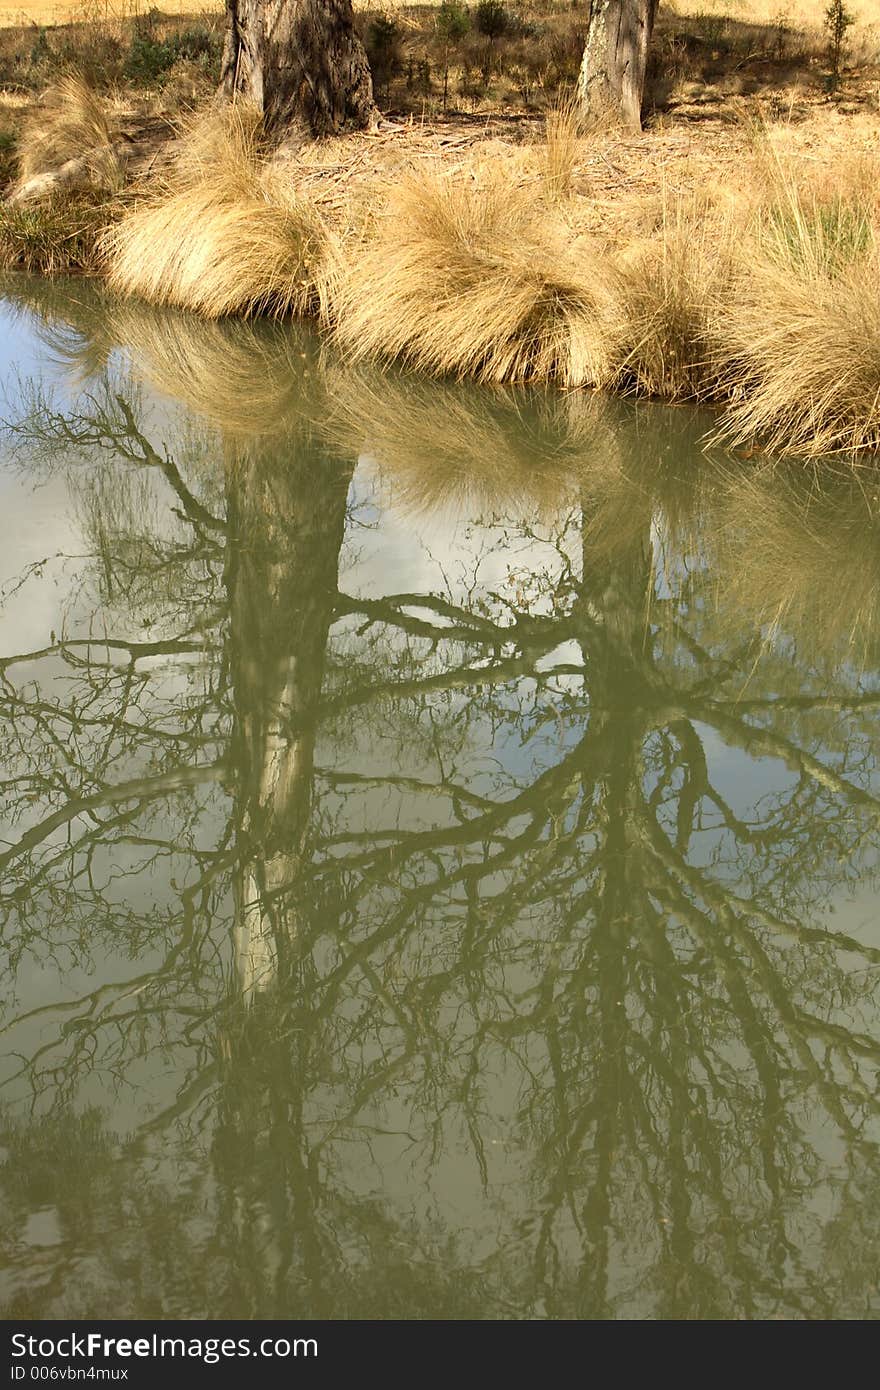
{"x":612,"y":76}
{"x":301,"y":62}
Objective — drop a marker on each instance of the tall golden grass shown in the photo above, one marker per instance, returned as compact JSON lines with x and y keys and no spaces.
{"x":224,"y":233}
{"x":562,"y":148}
{"x":804,"y":359}
{"x":670,"y":290}
{"x":73,"y":122}
{"x":497,"y":270}
{"x":476,"y":277}
{"x":802,"y":334}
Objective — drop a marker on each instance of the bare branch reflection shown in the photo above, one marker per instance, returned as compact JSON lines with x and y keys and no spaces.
{"x":482,"y":929}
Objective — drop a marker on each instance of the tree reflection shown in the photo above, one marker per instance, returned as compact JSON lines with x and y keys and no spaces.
{"x":487,"y":983}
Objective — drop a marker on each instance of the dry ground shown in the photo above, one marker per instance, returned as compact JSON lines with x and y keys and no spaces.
{"x":804,"y":14}
{"x":50,"y":12}
{"x":725,"y":73}
{"x":613,"y":169}
{"x":705,"y":52}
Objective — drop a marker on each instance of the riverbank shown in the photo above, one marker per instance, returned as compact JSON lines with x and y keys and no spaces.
{"x":728,"y":256}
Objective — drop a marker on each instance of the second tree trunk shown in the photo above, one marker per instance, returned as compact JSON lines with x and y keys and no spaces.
{"x":612,"y":77}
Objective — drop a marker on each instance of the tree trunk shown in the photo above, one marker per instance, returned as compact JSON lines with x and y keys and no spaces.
{"x":301,"y":62}
{"x":286,"y":513}
{"x":612,"y":77}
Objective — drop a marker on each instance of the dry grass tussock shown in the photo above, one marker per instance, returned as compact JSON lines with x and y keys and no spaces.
{"x":764,"y":300}
{"x":805,"y":363}
{"x":760,"y":294}
{"x":476,"y":276}
{"x":486,"y":271}
{"x":225,"y":233}
{"x":561,"y":148}
{"x":73,"y":122}
{"x":802,"y":335}
{"x":670,"y":291}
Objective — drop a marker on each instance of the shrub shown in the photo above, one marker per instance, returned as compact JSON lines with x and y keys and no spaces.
{"x":452,"y":21}
{"x":491,"y":19}
{"x":838,"y":20}
{"x":383,"y":49}
{"x":150,"y":59}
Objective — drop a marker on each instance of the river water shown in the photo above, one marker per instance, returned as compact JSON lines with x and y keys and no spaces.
{"x":439,"y":833}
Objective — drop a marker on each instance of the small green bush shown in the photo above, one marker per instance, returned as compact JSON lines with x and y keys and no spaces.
{"x":838,"y":20}
{"x":149,"y":58}
{"x":492,"y":19}
{"x":383,"y":49}
{"x":41,"y":49}
{"x":452,"y":21}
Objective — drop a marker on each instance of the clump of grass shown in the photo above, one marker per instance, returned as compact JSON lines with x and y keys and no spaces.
{"x":58,"y":237}
{"x":669,"y":290}
{"x":663,"y":341}
{"x":475,"y":278}
{"x":805,"y":362}
{"x":225,"y":233}
{"x":818,"y":230}
{"x":802,"y":337}
{"x":562,"y":147}
{"x":74,"y":122}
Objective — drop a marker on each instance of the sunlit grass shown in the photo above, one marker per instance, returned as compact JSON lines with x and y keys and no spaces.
{"x":73,"y":122}
{"x":223,"y":233}
{"x":476,"y":277}
{"x":761,"y":296}
{"x":801,"y":335}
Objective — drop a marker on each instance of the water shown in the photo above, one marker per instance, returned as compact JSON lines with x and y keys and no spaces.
{"x":440,"y":845}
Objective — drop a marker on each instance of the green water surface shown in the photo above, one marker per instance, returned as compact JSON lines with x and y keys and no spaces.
{"x":439,"y":838}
